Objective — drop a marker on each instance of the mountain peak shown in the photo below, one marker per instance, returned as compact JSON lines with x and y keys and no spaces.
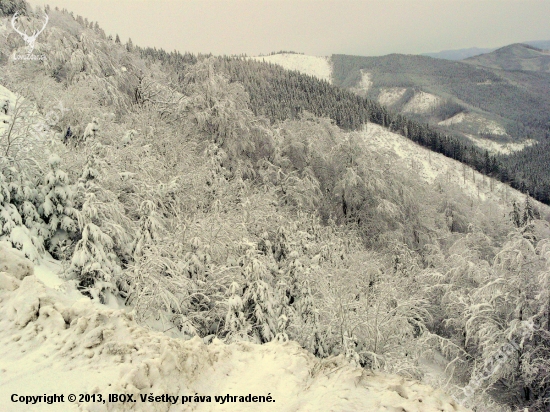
{"x":517,"y":56}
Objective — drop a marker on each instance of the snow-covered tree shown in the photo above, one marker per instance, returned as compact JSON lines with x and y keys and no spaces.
{"x":515,"y":215}
{"x":529,"y":211}
{"x":254,"y":299}
{"x":57,"y":203}
{"x":94,"y":264}
{"x":149,"y":227}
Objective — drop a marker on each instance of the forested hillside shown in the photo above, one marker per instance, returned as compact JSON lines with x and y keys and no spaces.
{"x":226,"y":199}
{"x":280,"y":94}
{"x":530,"y":170}
{"x":518,"y":101}
{"x":458,"y":54}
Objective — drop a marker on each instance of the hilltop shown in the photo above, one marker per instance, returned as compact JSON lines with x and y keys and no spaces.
{"x":459,"y":54}
{"x":514,"y":57}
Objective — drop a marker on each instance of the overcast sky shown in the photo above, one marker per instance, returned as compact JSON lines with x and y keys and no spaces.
{"x":317,"y":27}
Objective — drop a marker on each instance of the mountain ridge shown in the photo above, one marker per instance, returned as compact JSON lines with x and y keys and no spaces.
{"x":514,"y":57}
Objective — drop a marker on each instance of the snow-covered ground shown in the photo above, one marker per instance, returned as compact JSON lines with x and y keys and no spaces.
{"x":421,"y":102}
{"x":387,"y":97}
{"x":364,"y":85}
{"x":501,"y":148}
{"x":431,"y":166}
{"x":457,"y":118}
{"x":319,"y":67}
{"x":492,"y":127}
{"x":484,"y":125}
{"x":55,"y":341}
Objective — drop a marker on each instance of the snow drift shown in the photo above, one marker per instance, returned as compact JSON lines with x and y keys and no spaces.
{"x":57,"y":342}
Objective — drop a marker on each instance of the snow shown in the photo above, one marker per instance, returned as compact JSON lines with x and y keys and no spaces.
{"x":457,"y":118}
{"x":492,"y":127}
{"x":431,"y":166}
{"x":421,"y":102}
{"x":27,"y":110}
{"x":14,"y":262}
{"x":364,"y":84}
{"x":315,"y":66}
{"x":500,"y":148}
{"x":58,"y":342}
{"x":484,"y":125}
{"x":5,"y":94}
{"x":48,"y":272}
{"x":389,"y":96}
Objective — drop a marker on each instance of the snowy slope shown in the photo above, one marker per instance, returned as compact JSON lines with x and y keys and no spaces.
{"x":52,"y":342}
{"x":364,"y":85}
{"x":484,"y":125}
{"x":501,"y":148}
{"x":319,"y":67}
{"x":421,"y":102}
{"x":431,"y":166}
{"x":389,"y":96}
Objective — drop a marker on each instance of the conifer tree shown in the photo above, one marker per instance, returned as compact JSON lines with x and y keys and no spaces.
{"x":254,"y":309}
{"x":529,"y":211}
{"x":33,"y":234}
{"x":57,"y":207}
{"x":94,"y":264}
{"x":515,"y":215}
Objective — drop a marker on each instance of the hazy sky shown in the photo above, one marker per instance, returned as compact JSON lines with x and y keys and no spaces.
{"x":317,"y":27}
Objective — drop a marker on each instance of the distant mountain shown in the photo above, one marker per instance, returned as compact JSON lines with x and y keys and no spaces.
{"x":514,"y":57}
{"x":458,"y":54}
{"x":461,"y":54}
{"x":460,"y":98}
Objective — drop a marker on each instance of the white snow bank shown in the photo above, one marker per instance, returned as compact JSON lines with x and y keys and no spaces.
{"x":319,"y":67}
{"x":14,"y":262}
{"x":47,"y":272}
{"x":51,"y":343}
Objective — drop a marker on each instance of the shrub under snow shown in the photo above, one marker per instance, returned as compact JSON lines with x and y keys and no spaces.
{"x":58,"y":342}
